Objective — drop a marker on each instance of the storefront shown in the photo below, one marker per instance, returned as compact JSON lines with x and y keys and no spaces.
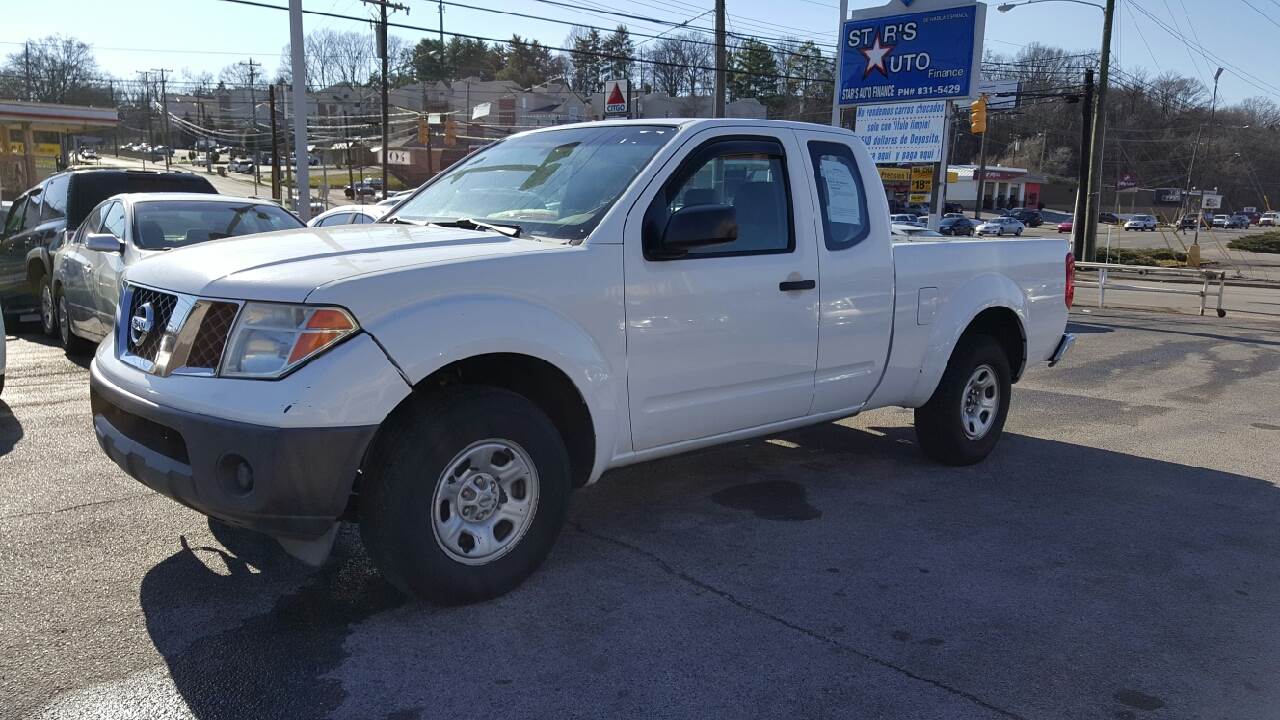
{"x":34,"y":139}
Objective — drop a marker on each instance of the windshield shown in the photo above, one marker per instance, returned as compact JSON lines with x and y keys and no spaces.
{"x":165,"y":224}
{"x":556,"y":184}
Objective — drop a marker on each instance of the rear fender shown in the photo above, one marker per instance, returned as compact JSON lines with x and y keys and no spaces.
{"x":425,"y":338}
{"x":956,"y":312}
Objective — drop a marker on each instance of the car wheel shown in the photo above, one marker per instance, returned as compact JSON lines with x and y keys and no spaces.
{"x":1017,"y":231}
{"x":72,"y":343}
{"x":963,"y":420}
{"x":48,"y":315}
{"x":464,"y":494}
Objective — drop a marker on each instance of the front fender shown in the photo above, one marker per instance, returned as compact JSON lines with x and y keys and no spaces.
{"x":957,"y":311}
{"x":426,"y":337}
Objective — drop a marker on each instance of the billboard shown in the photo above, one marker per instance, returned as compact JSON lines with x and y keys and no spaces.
{"x":615,"y":97}
{"x":1001,"y":94}
{"x":903,"y":132}
{"x":921,"y":50}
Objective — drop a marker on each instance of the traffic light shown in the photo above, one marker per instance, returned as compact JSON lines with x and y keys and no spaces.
{"x":423,"y":130}
{"x":450,"y":132}
{"x":978,"y":115}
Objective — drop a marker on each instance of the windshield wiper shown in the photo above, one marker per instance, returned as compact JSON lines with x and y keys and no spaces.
{"x":400,"y":221}
{"x":510,"y":230}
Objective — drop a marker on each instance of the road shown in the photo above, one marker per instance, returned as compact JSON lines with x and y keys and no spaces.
{"x":1117,"y":557}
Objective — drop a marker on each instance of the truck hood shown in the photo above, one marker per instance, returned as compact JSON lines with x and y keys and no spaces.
{"x":287,"y":266}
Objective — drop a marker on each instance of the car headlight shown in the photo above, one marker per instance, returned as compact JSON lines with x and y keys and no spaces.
{"x":270,"y":339}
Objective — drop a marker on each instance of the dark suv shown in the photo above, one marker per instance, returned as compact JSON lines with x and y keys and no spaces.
{"x":1029,"y":217}
{"x":34,"y":228}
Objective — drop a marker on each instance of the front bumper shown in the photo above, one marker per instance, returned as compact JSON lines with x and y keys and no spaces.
{"x":291,"y":483}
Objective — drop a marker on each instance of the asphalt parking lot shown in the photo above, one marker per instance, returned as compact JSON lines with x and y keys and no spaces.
{"x":1117,"y":557}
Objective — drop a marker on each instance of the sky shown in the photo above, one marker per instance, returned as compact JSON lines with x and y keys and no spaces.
{"x":133,"y":35}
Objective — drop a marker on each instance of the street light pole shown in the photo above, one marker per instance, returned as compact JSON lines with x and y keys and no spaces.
{"x":1093,"y":202}
{"x":1194,"y":253}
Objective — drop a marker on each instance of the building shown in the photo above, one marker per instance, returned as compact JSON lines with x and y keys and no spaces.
{"x":36,"y":137}
{"x":1004,"y":187}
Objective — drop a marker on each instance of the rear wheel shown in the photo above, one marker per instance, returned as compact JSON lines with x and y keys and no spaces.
{"x":72,"y":343}
{"x":963,"y":420}
{"x":464,"y":494}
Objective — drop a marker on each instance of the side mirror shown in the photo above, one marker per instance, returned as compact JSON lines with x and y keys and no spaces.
{"x":104,"y":242}
{"x":699,"y":226}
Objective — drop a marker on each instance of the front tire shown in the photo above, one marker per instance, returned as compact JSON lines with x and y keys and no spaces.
{"x":963,"y":420}
{"x":464,"y":493}
{"x":48,"y":313}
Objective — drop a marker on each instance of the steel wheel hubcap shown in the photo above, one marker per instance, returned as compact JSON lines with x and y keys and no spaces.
{"x":484,"y":501}
{"x":980,"y":402}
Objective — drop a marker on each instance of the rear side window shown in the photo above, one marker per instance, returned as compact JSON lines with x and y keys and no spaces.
{"x":92,"y":187}
{"x":13,"y":221}
{"x":843,"y":201}
{"x":35,"y":207}
{"x":336,"y":219}
{"x":55,"y":197}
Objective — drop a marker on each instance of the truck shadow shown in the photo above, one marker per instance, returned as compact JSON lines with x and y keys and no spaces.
{"x":853,"y":537}
{"x":10,"y":429}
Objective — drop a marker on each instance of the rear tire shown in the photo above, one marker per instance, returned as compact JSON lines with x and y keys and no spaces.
{"x":48,"y":315}
{"x":464,"y":462}
{"x":963,"y":420}
{"x":74,"y":345}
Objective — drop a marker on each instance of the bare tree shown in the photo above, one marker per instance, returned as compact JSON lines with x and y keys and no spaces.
{"x":57,"y":69}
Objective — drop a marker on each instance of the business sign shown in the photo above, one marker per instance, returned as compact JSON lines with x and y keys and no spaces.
{"x":895,"y":175}
{"x":1001,"y":94}
{"x":889,"y":55}
{"x":922,"y":179}
{"x":615,"y":97}
{"x":1211,"y":202}
{"x":399,"y":157}
{"x":902,"y":133}
{"x":1169,"y":196}
{"x":1127,"y":181}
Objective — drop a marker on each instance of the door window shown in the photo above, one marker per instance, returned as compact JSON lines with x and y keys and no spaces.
{"x":337,"y":219}
{"x":113,"y":220}
{"x":843,"y":201}
{"x":748,"y":175}
{"x":35,"y":205}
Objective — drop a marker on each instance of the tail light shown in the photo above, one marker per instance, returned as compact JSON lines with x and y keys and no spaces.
{"x":1070,"y":293}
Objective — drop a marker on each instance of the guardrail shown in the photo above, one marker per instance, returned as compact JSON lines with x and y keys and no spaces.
{"x":1207,"y":279}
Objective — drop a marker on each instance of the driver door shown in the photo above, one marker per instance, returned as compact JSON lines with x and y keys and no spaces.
{"x":107,"y":269}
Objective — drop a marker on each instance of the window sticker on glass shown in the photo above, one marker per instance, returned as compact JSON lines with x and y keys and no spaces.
{"x":842,"y":192}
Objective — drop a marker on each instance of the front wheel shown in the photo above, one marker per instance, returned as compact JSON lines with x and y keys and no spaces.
{"x":48,"y":314}
{"x":1018,"y":232}
{"x":964,"y":418}
{"x":464,"y":494}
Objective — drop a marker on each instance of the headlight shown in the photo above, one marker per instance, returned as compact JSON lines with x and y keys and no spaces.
{"x":270,"y":339}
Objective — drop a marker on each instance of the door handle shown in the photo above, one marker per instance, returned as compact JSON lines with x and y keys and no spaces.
{"x":792,"y":285}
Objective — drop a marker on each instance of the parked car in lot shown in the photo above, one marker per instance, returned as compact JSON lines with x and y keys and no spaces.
{"x":1269,"y":219}
{"x":360,"y":189}
{"x":906,"y":219}
{"x":1239,"y":221}
{"x":902,"y":232}
{"x":126,"y":229}
{"x":348,"y":215}
{"x":1108,"y":218}
{"x":521,"y":325}
{"x":36,"y":225}
{"x":1004,"y":225}
{"x":957,"y":226}
{"x":240,"y":165}
{"x":1067,"y":225}
{"x":1141,"y":222}
{"x":1188,"y":222}
{"x":1027,"y":216}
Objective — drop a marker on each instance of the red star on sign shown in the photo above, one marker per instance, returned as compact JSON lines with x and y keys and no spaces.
{"x":875,"y":57}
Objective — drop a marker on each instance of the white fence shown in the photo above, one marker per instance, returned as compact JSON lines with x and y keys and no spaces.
{"x":1212,"y":283}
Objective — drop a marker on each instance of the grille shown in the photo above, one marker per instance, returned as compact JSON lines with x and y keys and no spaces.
{"x":162,"y":305}
{"x":207,"y":348}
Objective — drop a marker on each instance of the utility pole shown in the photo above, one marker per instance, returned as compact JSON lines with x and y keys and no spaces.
{"x":383,"y":52}
{"x":146,"y":101}
{"x":1077,"y":219}
{"x":1093,"y":200}
{"x":980,"y":178}
{"x":26,"y":64}
{"x":441,"y":37}
{"x":253,"y":114}
{"x":275,"y":146}
{"x":164,"y":108}
{"x":721,"y":61}
{"x":299,"y":71}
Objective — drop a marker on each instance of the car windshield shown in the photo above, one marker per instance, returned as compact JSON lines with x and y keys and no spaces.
{"x":556,"y":184}
{"x":165,"y":224}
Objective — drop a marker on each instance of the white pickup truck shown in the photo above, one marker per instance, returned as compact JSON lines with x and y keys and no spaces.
{"x":563,"y":302}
